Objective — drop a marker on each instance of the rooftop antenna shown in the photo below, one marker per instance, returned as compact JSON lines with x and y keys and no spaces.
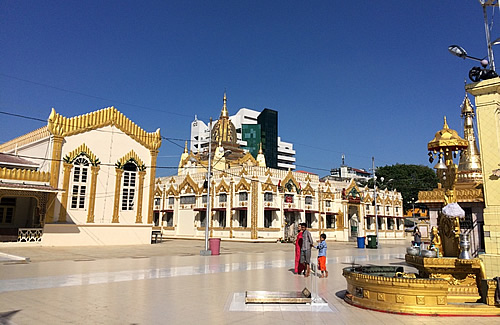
{"x":343,"y":160}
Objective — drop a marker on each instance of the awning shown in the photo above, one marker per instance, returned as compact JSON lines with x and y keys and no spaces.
{"x":293,"y":210}
{"x":271,"y":209}
{"x":239,"y":208}
{"x":167,"y":210}
{"x":311,"y":211}
{"x":219,"y":209}
{"x":200,"y":209}
{"x":331,"y":213}
{"x":29,"y":187}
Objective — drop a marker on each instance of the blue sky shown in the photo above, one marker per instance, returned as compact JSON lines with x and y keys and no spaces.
{"x":363,"y":78}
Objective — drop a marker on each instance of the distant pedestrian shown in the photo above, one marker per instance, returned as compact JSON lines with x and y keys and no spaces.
{"x":417,"y":237}
{"x":305,"y":251}
{"x":322,"y":256}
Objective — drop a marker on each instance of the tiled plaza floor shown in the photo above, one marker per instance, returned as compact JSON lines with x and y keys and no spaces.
{"x":169,"y":283}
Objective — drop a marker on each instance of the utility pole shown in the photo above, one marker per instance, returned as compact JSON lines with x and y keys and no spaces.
{"x":207,"y":252}
{"x":375,"y":197}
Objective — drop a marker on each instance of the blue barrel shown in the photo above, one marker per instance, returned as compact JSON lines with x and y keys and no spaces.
{"x":361,"y":242}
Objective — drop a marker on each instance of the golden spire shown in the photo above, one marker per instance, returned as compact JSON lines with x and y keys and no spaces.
{"x":470,"y":160}
{"x":224,"y":112}
{"x":445,"y":126}
{"x":186,"y":147}
{"x":260,"y":149}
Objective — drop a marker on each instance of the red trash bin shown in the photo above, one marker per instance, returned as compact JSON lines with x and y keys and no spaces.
{"x":214,"y":245}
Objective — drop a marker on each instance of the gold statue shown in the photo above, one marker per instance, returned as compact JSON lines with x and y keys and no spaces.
{"x":436,"y":242}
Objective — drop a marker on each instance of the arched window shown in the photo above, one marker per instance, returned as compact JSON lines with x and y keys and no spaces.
{"x":80,"y":177}
{"x":128,"y":189}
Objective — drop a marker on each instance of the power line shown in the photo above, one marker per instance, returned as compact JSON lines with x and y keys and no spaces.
{"x":91,"y":96}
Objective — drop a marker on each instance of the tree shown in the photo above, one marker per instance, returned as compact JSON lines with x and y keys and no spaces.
{"x":406,"y":179}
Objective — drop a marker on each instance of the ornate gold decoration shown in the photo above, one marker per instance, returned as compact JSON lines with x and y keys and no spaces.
{"x":254,"y":210}
{"x":116,"y":207}
{"x":290,"y":179}
{"x":140,"y":194}
{"x":131,"y":156}
{"x":63,"y":126}
{"x":400,"y":299}
{"x":93,"y":186}
{"x":224,"y":130}
{"x":171,"y":191}
{"x":340,"y":219}
{"x":222,"y":187}
{"x":188,"y":186}
{"x":420,"y":300}
{"x":268,"y":172}
{"x":470,"y":160}
{"x":446,"y":138}
{"x":24,"y":139}
{"x":436,"y":242}
{"x":82,"y":150}
{"x":243,"y":171}
{"x":308,"y":190}
{"x":158,"y":191}
{"x":152,"y":174}
{"x":449,"y":235}
{"x":248,"y":159}
{"x":242,"y":184}
{"x":268,"y":186}
{"x":24,"y":175}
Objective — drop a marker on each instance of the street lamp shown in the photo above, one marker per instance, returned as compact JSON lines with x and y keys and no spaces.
{"x":375,"y":198}
{"x":476,"y":73}
{"x":412,"y":210}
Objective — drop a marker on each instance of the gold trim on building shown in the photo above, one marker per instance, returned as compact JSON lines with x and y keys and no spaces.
{"x":24,"y":175}
{"x":24,"y":139}
{"x":63,"y":126}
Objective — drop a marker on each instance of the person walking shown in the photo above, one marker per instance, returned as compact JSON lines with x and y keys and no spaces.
{"x":305,"y":251}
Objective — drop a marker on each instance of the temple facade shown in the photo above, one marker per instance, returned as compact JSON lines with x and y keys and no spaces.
{"x":84,"y":180}
{"x":252,"y":202}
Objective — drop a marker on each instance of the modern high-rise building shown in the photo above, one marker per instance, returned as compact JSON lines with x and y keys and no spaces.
{"x":253,"y":128}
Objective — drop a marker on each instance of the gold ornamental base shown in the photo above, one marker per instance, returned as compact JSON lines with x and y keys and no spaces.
{"x":389,"y":289}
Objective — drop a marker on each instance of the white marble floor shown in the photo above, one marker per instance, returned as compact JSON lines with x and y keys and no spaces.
{"x":189,"y":289}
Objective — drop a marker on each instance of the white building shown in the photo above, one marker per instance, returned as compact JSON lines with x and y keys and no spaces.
{"x":200,"y":134}
{"x":84,"y":180}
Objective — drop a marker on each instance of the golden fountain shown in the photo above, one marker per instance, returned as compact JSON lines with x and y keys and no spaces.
{"x":451,"y":283}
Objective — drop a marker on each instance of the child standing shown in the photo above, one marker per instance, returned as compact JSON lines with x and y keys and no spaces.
{"x":322,"y":256}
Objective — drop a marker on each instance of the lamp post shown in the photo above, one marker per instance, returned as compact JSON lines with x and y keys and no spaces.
{"x":476,"y":73}
{"x":412,"y":210}
{"x":207,"y":216}
{"x":375,"y":197}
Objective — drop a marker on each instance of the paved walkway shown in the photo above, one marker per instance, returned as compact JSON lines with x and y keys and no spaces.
{"x":171,"y":283}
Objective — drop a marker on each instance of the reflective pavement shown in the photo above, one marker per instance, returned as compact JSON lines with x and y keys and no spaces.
{"x":171,"y":283}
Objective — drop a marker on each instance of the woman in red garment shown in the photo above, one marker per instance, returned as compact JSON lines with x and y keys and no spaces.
{"x":299,"y":268}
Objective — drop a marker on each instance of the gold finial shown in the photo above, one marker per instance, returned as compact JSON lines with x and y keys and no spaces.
{"x":224,"y":112}
{"x":445,"y":126}
{"x":186,"y":147}
{"x":260,"y":149}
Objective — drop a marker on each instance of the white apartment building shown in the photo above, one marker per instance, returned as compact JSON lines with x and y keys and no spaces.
{"x":200,"y":134}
